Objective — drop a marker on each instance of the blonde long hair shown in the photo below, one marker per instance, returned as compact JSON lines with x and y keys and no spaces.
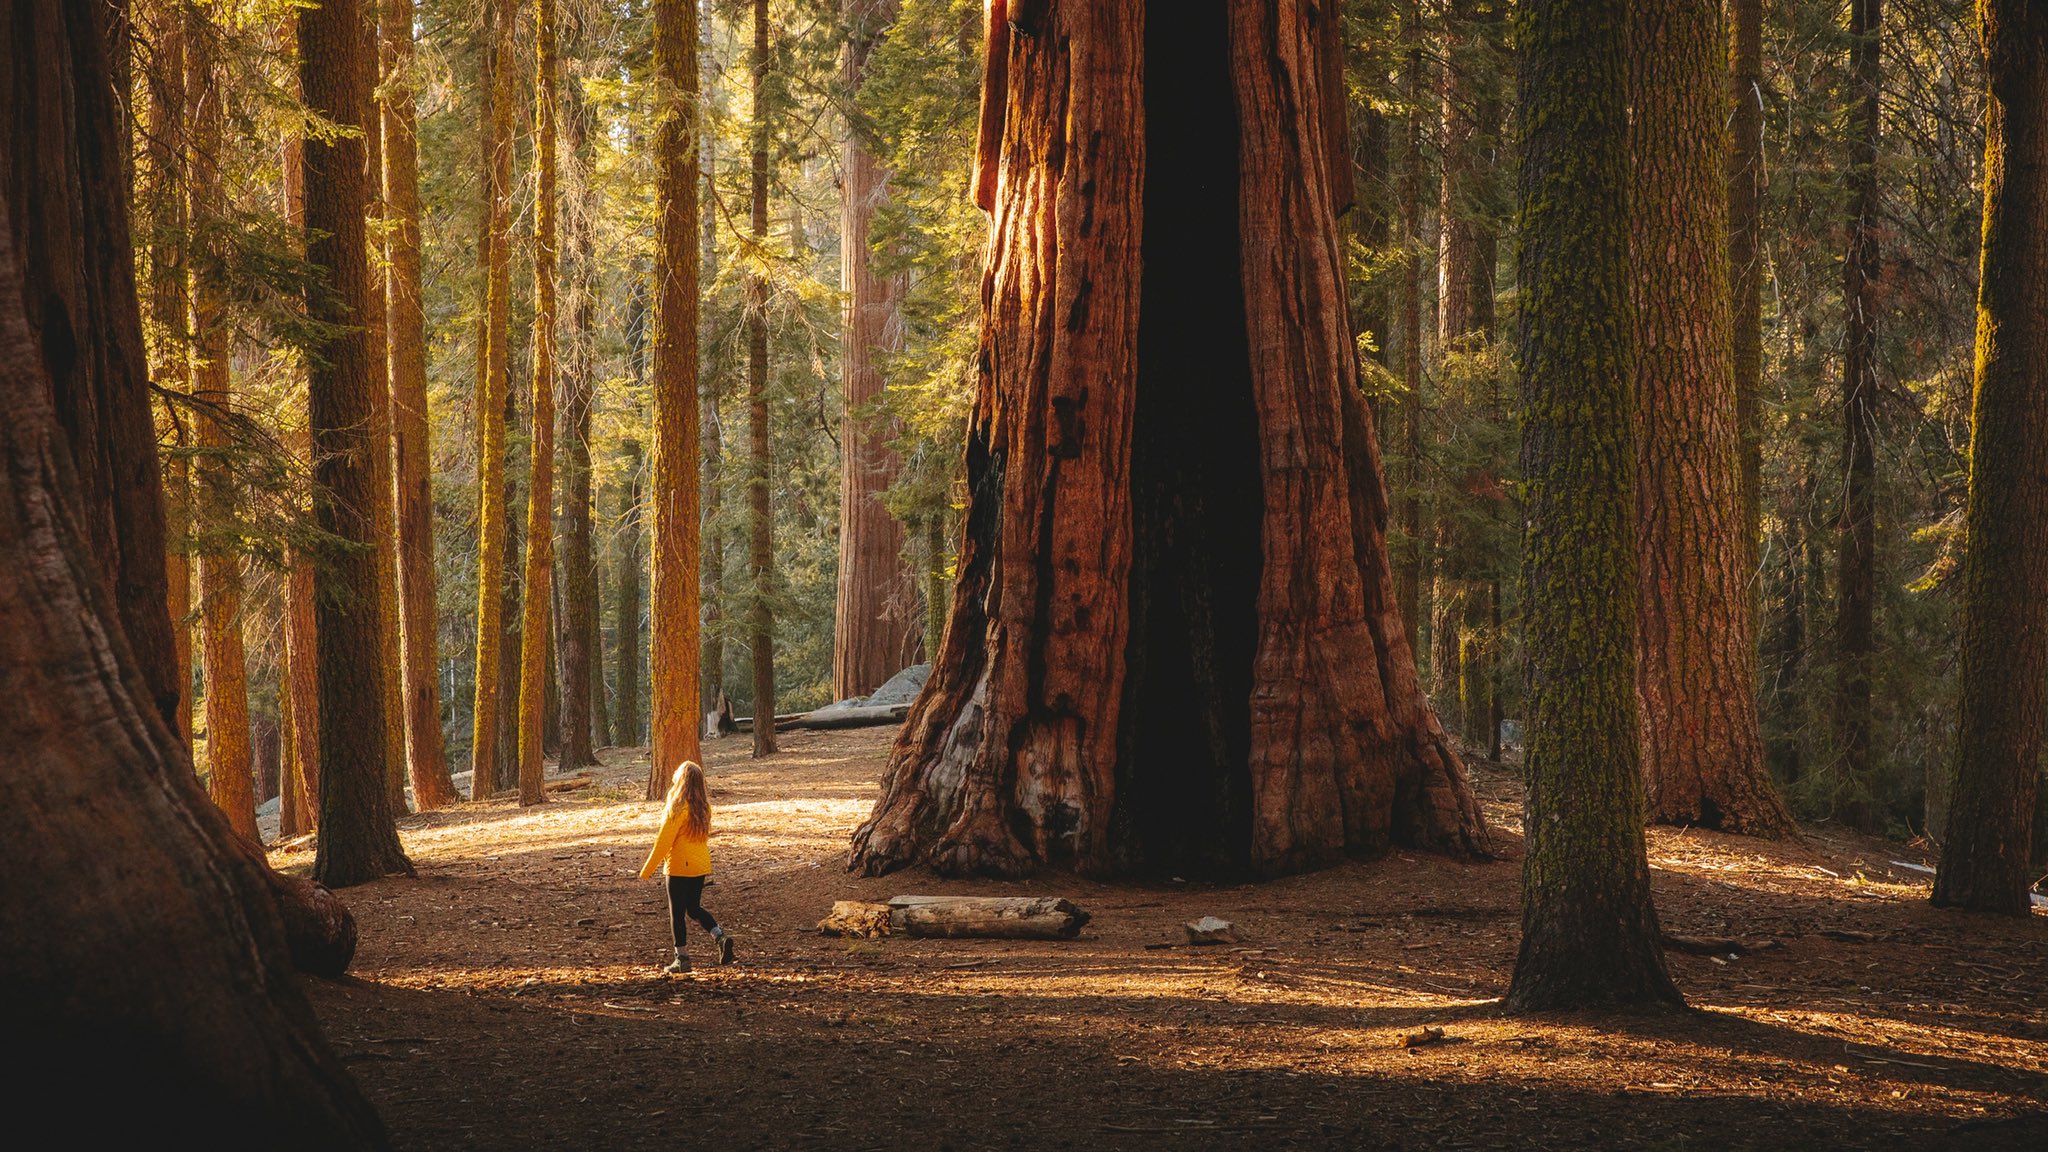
{"x":688,"y":787}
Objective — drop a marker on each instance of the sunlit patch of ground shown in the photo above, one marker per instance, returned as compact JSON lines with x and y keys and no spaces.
{"x":510,"y":997}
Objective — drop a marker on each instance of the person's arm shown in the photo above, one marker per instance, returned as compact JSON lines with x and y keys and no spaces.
{"x":665,"y":841}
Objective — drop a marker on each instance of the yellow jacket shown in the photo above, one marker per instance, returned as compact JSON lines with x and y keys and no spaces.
{"x":675,"y":853}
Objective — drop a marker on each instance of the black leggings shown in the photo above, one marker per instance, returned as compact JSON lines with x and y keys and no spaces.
{"x":686,"y":899}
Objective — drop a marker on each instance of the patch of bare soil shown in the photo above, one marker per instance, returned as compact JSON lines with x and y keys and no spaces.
{"x":510,"y":997}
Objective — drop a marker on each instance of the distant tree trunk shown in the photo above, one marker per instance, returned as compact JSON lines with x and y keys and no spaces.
{"x":291,"y":805}
{"x":760,"y":459}
{"x":1461,"y":633}
{"x":358,"y":838}
{"x":1702,"y":748}
{"x":491,"y":397}
{"x":1856,"y":563}
{"x":1410,"y":562}
{"x":301,"y":641}
{"x":540,"y":502}
{"x":511,"y":641}
{"x":1589,"y":933}
{"x":1784,"y":638}
{"x":626,"y":725}
{"x":1746,"y":188}
{"x":2004,"y":672}
{"x":1160,"y":655}
{"x":676,"y":718}
{"x":418,"y":665}
{"x":375,"y":323}
{"x":876,"y":628}
{"x":161,"y":192}
{"x":229,"y":778}
{"x":711,"y":459}
{"x":582,"y":687}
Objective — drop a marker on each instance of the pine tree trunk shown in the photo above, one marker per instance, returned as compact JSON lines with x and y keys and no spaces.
{"x":711,"y":588}
{"x":1702,"y":750}
{"x":161,"y":188}
{"x":1746,"y":188}
{"x":302,"y":681}
{"x":540,"y":530}
{"x":1159,"y":656}
{"x":491,"y":396}
{"x":358,"y":838}
{"x":676,"y":658}
{"x":876,"y":629}
{"x":2004,"y":667}
{"x":1409,"y":566}
{"x":582,"y":685}
{"x":511,"y":641}
{"x":626,"y":725}
{"x":760,"y":460}
{"x":374,"y":321}
{"x":1856,"y":562}
{"x":419,"y":669}
{"x":229,"y":778}
{"x":1589,"y":933}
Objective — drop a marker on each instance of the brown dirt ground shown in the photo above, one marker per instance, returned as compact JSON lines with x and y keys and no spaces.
{"x":509,"y":997}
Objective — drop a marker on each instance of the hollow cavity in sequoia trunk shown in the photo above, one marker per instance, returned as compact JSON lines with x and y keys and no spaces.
{"x":1183,"y":784}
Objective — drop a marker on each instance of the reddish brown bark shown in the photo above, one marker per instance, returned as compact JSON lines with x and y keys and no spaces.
{"x":675,"y":718}
{"x":877,"y":628}
{"x":110,"y":847}
{"x":1157,"y":652}
{"x":419,"y":671}
{"x":1702,"y":748}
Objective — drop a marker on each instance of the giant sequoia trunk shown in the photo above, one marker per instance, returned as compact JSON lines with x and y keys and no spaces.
{"x":877,"y":628}
{"x":2004,"y":672}
{"x":154,"y":933}
{"x":1174,"y":641}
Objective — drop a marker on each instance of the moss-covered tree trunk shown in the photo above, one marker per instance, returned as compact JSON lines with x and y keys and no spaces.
{"x":760,"y":458}
{"x":537,"y":624}
{"x":675,"y":715}
{"x":1856,"y":558}
{"x":1589,"y":932}
{"x":419,"y":671}
{"x":358,"y":837}
{"x":876,"y":630}
{"x":1702,"y":749}
{"x":229,"y":779}
{"x":1160,"y":654}
{"x":2004,"y":673}
{"x":492,"y":394}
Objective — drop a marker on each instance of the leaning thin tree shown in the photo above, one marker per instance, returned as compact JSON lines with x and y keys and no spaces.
{"x":1173,"y":641}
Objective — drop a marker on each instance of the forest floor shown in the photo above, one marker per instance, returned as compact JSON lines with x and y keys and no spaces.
{"x":510,"y":997}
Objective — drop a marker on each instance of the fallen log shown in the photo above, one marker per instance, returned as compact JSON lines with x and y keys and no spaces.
{"x":865,"y":717}
{"x":857,"y":918}
{"x":995,"y":917}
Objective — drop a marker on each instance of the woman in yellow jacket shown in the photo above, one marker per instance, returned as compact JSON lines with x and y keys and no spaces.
{"x":683,"y":852}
